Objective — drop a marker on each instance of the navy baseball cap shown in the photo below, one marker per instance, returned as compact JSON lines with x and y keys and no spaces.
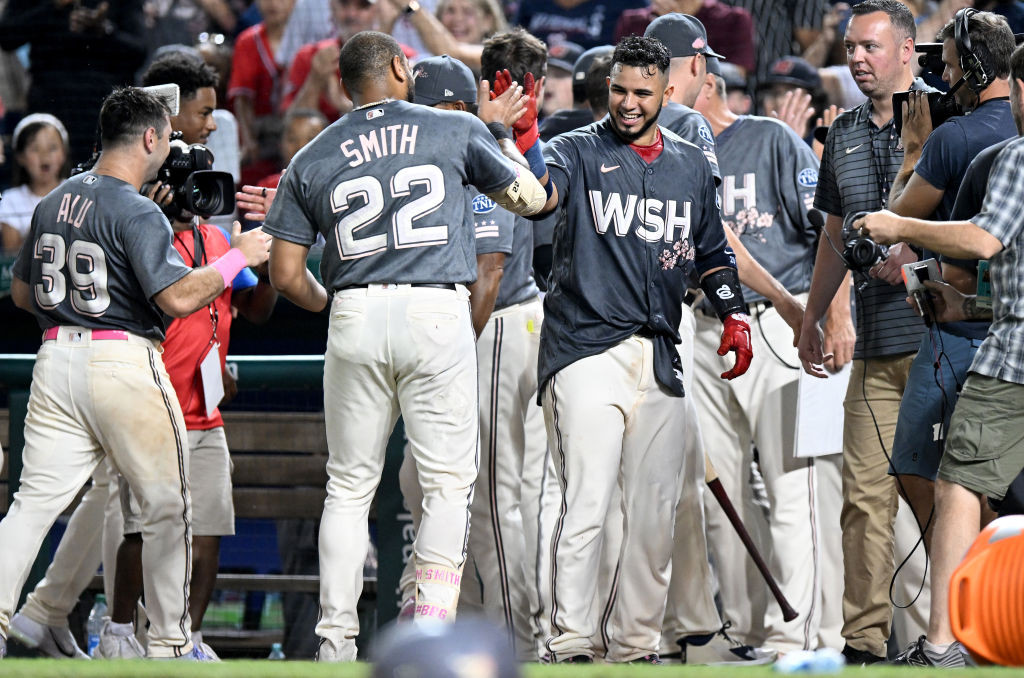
{"x":563,"y":55}
{"x":443,"y":78}
{"x":683,"y":34}
{"x":792,"y":70}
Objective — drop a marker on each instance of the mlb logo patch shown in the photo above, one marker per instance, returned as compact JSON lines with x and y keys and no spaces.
{"x":375,"y":113}
{"x":808,"y":177}
{"x":482,"y":204}
{"x":91,"y":179}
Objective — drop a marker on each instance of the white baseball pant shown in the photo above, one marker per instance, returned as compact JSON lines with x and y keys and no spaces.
{"x":91,"y":397}
{"x":759,"y":410}
{"x":610,"y":423}
{"x":391,"y":349}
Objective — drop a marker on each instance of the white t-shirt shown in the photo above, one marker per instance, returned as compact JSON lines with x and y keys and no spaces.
{"x":17,"y":207}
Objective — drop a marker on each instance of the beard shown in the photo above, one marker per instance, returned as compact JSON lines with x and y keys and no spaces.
{"x":631,"y":136}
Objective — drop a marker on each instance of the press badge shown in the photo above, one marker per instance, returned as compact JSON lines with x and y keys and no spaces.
{"x":213,"y":381}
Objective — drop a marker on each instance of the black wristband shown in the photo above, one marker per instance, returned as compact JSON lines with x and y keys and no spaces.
{"x":498,"y":131}
{"x":722,"y":289}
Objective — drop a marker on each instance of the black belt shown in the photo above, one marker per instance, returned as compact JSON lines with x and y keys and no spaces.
{"x":436,"y":286}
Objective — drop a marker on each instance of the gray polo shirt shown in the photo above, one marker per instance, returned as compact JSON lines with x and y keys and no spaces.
{"x":858,"y":167}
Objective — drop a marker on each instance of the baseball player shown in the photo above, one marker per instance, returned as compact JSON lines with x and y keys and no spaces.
{"x":98,"y":270}
{"x":609,"y":372}
{"x":396,"y":262}
{"x":769,"y":176}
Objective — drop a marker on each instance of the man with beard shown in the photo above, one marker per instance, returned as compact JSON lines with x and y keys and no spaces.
{"x":639,"y":211}
{"x":399,"y":253}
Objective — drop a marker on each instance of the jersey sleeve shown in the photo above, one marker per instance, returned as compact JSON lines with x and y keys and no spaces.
{"x":493,"y":226}
{"x":695,"y":129}
{"x":826,"y":193}
{"x":798,"y":172}
{"x":709,"y":233}
{"x":940,"y":163}
{"x":244,"y":67}
{"x":148,"y":248}
{"x":562,"y":160}
{"x":289,"y":218}
{"x":486,"y":167}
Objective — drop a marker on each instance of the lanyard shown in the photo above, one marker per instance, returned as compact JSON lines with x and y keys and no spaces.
{"x":198,"y":257}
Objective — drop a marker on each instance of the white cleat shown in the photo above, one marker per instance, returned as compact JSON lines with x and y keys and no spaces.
{"x":197,"y":639}
{"x":117,"y":646}
{"x":329,"y":652}
{"x":53,"y":641}
{"x":721,"y":648}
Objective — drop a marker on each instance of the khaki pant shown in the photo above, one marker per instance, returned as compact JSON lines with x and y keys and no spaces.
{"x":114,"y":397}
{"x":870,"y":498}
{"x":397,"y":349}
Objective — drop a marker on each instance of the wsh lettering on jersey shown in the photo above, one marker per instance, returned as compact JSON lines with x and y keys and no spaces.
{"x":648,"y":218}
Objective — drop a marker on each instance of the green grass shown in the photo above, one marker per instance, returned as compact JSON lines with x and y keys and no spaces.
{"x":52,"y":668}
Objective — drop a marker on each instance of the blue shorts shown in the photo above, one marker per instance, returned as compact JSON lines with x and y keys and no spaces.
{"x":928,"y":402}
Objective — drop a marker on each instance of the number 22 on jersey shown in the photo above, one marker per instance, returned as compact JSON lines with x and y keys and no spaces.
{"x":353,"y":245}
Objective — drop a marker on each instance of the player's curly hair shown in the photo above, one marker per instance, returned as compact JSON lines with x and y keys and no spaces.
{"x":642,"y":52}
{"x":127,"y":113}
{"x":190,"y":73}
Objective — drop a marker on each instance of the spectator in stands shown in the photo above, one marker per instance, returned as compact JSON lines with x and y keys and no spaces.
{"x":80,"y":51}
{"x":180,"y":22}
{"x":596,"y":84}
{"x":580,"y":113}
{"x":731,"y":29}
{"x":588,"y":23}
{"x":313,"y":78}
{"x":793,"y":77}
{"x":779,"y":26}
{"x":458,"y":29}
{"x":1013,"y":10}
{"x":562,"y":58}
{"x":41,"y":157}
{"x":301,"y":125}
{"x":254,"y":90}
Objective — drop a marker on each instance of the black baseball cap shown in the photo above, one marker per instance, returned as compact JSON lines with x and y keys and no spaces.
{"x":792,"y":70}
{"x":582,"y":67}
{"x":563,"y":55}
{"x":683,"y":34}
{"x":444,"y":79}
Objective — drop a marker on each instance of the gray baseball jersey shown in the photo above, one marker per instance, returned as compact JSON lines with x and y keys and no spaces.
{"x":633,"y":231}
{"x":693,"y":127}
{"x":517,"y":283}
{"x":384,"y":186}
{"x":493,"y":225}
{"x":95,"y":256}
{"x":768,"y":179}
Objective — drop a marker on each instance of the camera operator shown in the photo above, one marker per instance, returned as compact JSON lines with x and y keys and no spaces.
{"x":860,"y":161}
{"x":983,"y":452}
{"x":189,"y":342}
{"x":934,"y":163}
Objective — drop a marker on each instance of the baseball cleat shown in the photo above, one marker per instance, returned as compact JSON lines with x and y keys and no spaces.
{"x":330,"y":652}
{"x":53,"y":641}
{"x":114,"y":645}
{"x":720,"y":648}
{"x":916,"y":654}
{"x":647,"y":659}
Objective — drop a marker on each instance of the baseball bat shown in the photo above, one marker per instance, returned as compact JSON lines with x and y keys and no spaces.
{"x":715,"y":485}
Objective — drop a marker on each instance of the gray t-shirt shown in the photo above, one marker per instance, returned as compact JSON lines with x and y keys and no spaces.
{"x":96,"y":254}
{"x":768,"y":180}
{"x":384,"y":186}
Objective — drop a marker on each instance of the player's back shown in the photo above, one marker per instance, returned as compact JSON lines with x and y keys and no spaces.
{"x":384,"y":185}
{"x":96,"y":254}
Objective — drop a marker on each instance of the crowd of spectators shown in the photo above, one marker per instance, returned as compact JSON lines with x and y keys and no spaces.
{"x":275,"y":56}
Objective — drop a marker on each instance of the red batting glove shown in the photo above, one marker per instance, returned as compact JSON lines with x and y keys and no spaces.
{"x":502,"y":81}
{"x":736,"y":337}
{"x":525,"y":129}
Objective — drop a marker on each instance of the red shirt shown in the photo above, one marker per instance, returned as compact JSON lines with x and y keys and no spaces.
{"x":651,"y":152}
{"x":730,"y":30}
{"x":254,"y":73}
{"x":189,"y":339}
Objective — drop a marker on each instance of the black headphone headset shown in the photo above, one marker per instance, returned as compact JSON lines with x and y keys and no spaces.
{"x":976,"y":76}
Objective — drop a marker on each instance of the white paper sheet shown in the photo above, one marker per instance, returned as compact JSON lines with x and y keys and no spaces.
{"x":819,"y":414}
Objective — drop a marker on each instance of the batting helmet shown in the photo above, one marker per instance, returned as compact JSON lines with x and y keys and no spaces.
{"x":469,"y":648}
{"x":986,"y":594}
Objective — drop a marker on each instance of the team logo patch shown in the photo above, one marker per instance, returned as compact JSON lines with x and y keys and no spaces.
{"x":724,"y":292}
{"x":375,"y":113}
{"x":448,"y":93}
{"x":698,"y":43}
{"x":808,"y":178}
{"x":705,"y":133}
{"x":482,"y":204}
